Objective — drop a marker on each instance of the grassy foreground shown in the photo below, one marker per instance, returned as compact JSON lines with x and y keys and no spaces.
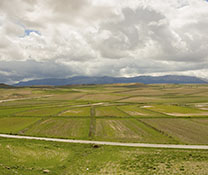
{"x":39,"y":157}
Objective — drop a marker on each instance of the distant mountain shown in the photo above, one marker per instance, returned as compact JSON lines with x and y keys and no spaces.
{"x":2,"y":85}
{"x":173,"y":79}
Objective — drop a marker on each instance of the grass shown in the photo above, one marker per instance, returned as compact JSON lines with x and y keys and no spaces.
{"x":101,"y":97}
{"x":13,"y":125}
{"x":128,"y":130}
{"x":175,"y":109}
{"x":33,"y":157}
{"x":203,"y":121}
{"x":64,"y":128}
{"x":21,"y":103}
{"x":186,"y":130}
{"x":66,"y":96}
{"x":109,"y":111}
{"x":138,"y":111}
{"x":11,"y":111}
{"x":141,"y":99}
{"x":81,"y":111}
{"x":42,"y":112}
{"x":55,"y":112}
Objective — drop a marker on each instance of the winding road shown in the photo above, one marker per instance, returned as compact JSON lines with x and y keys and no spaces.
{"x":205,"y":147}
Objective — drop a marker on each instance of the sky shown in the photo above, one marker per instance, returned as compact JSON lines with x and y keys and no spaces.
{"x":65,"y":38}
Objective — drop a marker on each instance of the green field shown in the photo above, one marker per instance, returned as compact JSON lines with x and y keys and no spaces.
{"x":65,"y":128}
{"x":109,"y":111}
{"x":13,"y":125}
{"x":178,"y":110}
{"x":11,"y":111}
{"x":43,"y":112}
{"x":101,"y":97}
{"x":187,"y":131}
{"x":84,"y":111}
{"x":139,"y":111}
{"x":33,"y":157}
{"x":160,"y":113}
{"x":128,"y":130}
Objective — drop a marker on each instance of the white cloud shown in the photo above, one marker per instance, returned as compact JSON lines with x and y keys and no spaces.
{"x":102,"y":37}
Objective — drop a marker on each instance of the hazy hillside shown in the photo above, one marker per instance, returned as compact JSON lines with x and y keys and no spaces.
{"x":5,"y":86}
{"x":109,"y":80}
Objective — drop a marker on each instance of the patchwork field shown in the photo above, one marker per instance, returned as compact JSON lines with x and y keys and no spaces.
{"x":11,"y":111}
{"x":139,"y":111}
{"x":178,"y":110}
{"x":42,"y":112}
{"x":122,"y":112}
{"x":101,"y":97}
{"x":65,"y":128}
{"x":109,"y":111}
{"x":141,"y":99}
{"x":186,"y":130}
{"x":128,"y":130}
{"x":84,"y":111}
{"x":13,"y":125}
{"x":163,"y":113}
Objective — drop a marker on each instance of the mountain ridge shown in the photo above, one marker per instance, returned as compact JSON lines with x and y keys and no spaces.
{"x":5,"y":86}
{"x":172,"y":79}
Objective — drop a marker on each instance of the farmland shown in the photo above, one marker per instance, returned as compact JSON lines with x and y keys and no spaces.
{"x":67,"y":128}
{"x":85,"y":111}
{"x":128,"y":130}
{"x":188,"y":131}
{"x":13,"y":125}
{"x":109,"y":111}
{"x":160,"y":113}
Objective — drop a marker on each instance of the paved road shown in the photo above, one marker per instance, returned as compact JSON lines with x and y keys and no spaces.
{"x":109,"y":143}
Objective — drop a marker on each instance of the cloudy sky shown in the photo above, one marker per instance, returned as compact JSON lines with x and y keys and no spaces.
{"x":64,"y":38}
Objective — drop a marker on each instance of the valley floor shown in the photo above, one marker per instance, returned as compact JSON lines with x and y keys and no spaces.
{"x":163,"y":116}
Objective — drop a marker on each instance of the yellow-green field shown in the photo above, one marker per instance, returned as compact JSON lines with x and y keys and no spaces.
{"x":67,"y":128}
{"x":139,"y":111}
{"x":109,"y":111}
{"x":163,"y":113}
{"x":84,"y":111}
{"x":29,"y":157}
{"x":14,"y":125}
{"x":130,"y":130}
{"x":187,"y":130}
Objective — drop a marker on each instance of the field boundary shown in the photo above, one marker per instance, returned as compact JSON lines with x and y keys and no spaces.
{"x":92,"y":122}
{"x":158,"y":130}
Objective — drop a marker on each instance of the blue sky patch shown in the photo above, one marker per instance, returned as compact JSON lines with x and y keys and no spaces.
{"x":28,"y":31}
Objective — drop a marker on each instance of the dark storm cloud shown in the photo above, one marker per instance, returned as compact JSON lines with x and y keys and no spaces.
{"x":12,"y":71}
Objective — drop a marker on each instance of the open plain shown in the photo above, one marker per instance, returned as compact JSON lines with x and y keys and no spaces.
{"x":127,"y":113}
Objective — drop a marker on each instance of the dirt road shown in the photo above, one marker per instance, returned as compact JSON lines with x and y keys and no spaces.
{"x":109,"y":143}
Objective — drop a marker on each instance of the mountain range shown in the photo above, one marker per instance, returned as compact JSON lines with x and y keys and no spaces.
{"x":5,"y":86}
{"x":173,"y":79}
